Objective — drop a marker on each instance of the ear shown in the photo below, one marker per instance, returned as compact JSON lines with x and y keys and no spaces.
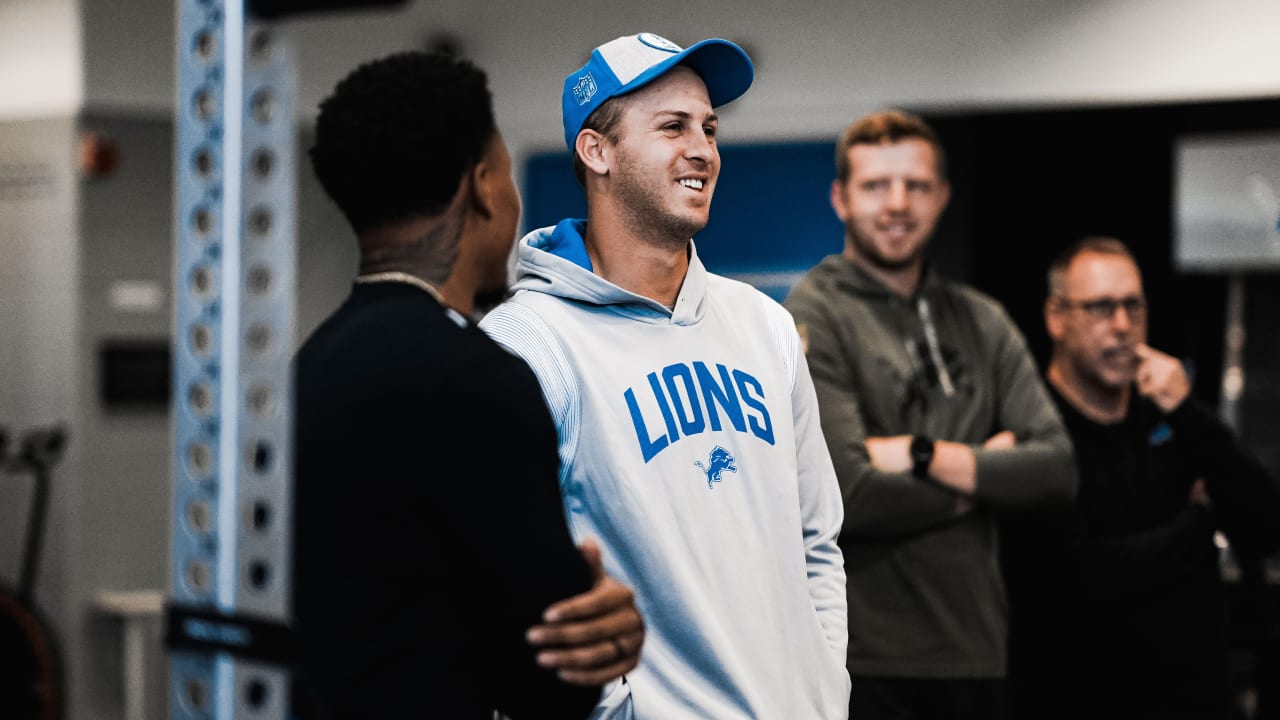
{"x":837,"y":200}
{"x":478,"y":186}
{"x":944,"y":195}
{"x":590,"y":147}
{"x":1053,"y":321}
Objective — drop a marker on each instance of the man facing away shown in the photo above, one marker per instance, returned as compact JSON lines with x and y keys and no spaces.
{"x":936,"y":419}
{"x":1118,"y":603}
{"x":688,"y":426}
{"x":429,"y":536}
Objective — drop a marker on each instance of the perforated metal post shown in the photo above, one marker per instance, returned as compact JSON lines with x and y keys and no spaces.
{"x":233,"y":329}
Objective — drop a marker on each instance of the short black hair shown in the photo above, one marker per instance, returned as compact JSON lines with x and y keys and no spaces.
{"x":399,"y":133}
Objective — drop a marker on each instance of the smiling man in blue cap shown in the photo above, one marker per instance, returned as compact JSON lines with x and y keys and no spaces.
{"x":687,"y":421}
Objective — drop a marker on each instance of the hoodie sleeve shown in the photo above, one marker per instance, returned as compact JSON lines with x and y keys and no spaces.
{"x":821,"y":511}
{"x":876,"y":503}
{"x":521,"y":332}
{"x":1040,"y":470}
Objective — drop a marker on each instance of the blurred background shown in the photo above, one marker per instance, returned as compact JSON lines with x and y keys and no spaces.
{"x":1156,"y":121}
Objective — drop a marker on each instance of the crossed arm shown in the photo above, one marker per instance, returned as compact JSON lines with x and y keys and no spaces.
{"x":1027,"y":462}
{"x":954,"y":465}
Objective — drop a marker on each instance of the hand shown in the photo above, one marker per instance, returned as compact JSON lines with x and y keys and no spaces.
{"x":1161,"y":378}
{"x":890,"y":454}
{"x":592,"y":638}
{"x":1003,"y":440}
{"x":1199,"y":494}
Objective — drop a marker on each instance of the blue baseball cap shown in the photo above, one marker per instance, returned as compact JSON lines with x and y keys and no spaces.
{"x":633,"y":61}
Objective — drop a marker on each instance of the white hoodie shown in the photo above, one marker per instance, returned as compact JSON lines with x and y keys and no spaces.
{"x":690,"y":447}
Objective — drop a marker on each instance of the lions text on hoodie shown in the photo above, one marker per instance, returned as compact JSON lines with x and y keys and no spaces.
{"x":691,"y":449}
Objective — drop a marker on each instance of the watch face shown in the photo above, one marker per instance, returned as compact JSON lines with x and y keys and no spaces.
{"x":921,"y":455}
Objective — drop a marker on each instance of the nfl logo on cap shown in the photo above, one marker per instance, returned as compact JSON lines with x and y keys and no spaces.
{"x":585,"y":89}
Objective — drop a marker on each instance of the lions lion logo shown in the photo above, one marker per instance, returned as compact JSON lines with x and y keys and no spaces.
{"x":721,"y":460}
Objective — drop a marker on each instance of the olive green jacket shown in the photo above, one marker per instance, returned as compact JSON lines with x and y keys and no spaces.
{"x":925,"y":595}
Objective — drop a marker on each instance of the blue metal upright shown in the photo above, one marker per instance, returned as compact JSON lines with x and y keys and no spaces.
{"x":233,"y":333}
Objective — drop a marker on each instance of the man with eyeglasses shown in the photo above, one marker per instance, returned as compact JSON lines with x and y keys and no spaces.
{"x":1117,"y":604}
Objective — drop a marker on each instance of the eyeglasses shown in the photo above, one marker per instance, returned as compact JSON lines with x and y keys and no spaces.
{"x":1105,"y":308}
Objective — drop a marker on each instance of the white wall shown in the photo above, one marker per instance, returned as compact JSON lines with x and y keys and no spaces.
{"x":41,"y":91}
{"x":819,"y":63}
{"x":39,"y":322}
{"x":40,"y":58}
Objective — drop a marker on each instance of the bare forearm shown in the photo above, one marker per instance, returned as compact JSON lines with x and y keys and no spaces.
{"x":954,"y":466}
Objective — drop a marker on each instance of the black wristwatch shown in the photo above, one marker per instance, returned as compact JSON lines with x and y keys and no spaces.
{"x":921,"y":456}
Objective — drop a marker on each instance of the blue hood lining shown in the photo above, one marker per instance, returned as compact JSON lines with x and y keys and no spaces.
{"x":566,"y":242}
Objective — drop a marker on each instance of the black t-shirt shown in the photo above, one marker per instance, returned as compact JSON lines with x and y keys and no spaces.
{"x":429,"y":533}
{"x":1117,"y":603}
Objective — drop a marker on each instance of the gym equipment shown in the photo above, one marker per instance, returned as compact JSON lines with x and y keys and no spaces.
{"x":30,"y":663}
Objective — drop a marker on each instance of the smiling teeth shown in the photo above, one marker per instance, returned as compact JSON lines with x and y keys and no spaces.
{"x":695,"y":184}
